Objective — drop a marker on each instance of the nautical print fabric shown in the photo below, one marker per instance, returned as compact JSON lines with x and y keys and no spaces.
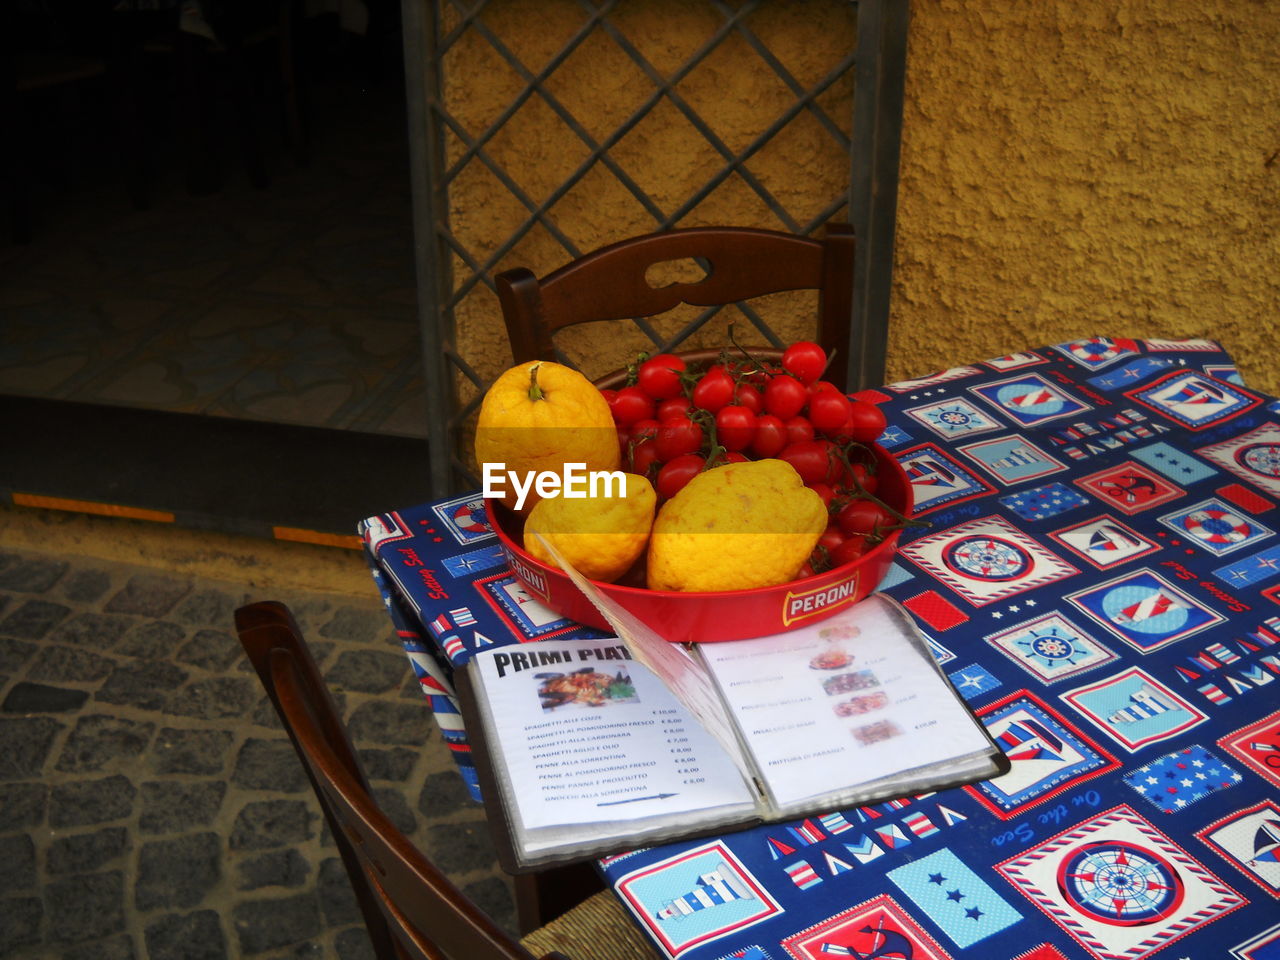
{"x":1100,"y":579}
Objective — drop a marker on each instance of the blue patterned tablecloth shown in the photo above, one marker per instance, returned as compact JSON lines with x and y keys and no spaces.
{"x":1101,"y":581}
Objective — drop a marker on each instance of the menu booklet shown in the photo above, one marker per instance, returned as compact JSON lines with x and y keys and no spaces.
{"x":583,"y":751}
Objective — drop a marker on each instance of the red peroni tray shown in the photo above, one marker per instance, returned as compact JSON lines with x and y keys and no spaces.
{"x":724,"y":615}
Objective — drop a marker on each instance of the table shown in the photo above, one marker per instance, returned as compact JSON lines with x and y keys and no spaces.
{"x":1100,"y":578}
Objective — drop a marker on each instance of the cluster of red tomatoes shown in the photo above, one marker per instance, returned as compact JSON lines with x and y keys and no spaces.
{"x":674,"y":422}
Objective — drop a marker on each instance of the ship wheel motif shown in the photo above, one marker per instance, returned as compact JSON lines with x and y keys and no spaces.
{"x":987,"y":558}
{"x":1263,"y":458}
{"x":1121,"y":884}
{"x":1052,"y":648}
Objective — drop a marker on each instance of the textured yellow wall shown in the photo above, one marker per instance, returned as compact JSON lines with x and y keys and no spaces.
{"x":1088,"y":168}
{"x":1068,"y":169}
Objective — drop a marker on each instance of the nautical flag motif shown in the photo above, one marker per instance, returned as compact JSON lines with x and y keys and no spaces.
{"x":806,"y":833}
{"x":835,"y":865}
{"x":1214,"y":694}
{"x":835,"y":823}
{"x":440,"y":625}
{"x":949,"y":816}
{"x":892,"y":836}
{"x":1221,"y":653}
{"x":453,"y":646}
{"x":864,"y":849}
{"x":778,"y":849}
{"x":920,"y":825}
{"x":803,"y":875}
{"x":462,"y":616}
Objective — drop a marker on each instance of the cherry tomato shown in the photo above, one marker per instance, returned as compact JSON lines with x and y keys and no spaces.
{"x":748,"y":396}
{"x":799,"y":428}
{"x":659,"y":376}
{"x":867,"y":421}
{"x":831,"y":537}
{"x":862,"y":517}
{"x":675,"y":407}
{"x":828,"y":410}
{"x":812,"y":460}
{"x":677,"y":436}
{"x":631,"y":405}
{"x":806,"y":571}
{"x":848,"y":551}
{"x":824,"y":491}
{"x":644,"y":429}
{"x":643,"y":455}
{"x":735,"y":427}
{"x":713,"y":391}
{"x":676,"y":473}
{"x":609,"y":396}
{"x":785,"y":396}
{"x":866,"y":480}
{"x":804,"y":360}
{"x":770,"y":437}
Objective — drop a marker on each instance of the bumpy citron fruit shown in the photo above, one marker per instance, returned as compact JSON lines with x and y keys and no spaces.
{"x":540,"y":415}
{"x":735,"y":527}
{"x":599,"y":535}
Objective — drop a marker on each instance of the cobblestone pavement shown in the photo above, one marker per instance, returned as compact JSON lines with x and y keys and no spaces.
{"x":151,"y":806}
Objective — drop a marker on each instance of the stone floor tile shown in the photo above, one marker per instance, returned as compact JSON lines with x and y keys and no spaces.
{"x":22,"y":922}
{"x":268,"y":924}
{"x":152,"y":640}
{"x":97,"y":631}
{"x":58,"y":664}
{"x":32,"y":619}
{"x":85,"y":586}
{"x":14,"y":653}
{"x":86,"y":802}
{"x":276,"y":868}
{"x":388,"y":721}
{"x":86,"y":852}
{"x":146,"y":684}
{"x":264,"y":824}
{"x":192,"y":936}
{"x":395,"y":763}
{"x":22,"y":805}
{"x":177,"y":872}
{"x":101,"y":742}
{"x":212,"y":650}
{"x":112,"y":948}
{"x":85,"y":906}
{"x":149,"y":595}
{"x":26,"y":697}
{"x":172,"y":806}
{"x":25,"y":743}
{"x":217,"y":698}
{"x":195,"y":752}
{"x":354,"y":944}
{"x":269,"y":765}
{"x":368,"y":671}
{"x":32,"y":574}
{"x":17,"y":863}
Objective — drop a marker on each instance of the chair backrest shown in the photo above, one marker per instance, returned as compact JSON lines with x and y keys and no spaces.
{"x":410,"y":908}
{"x":741,"y":263}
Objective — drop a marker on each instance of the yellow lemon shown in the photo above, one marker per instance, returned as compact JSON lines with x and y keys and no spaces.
{"x":536,"y":418}
{"x":600,"y":535}
{"x":738,"y":526}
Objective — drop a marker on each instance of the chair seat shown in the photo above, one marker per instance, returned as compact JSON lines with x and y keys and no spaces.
{"x":597,"y":929}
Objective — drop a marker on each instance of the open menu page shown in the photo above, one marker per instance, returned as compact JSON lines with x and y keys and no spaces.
{"x":588,"y":735}
{"x":846,"y":701}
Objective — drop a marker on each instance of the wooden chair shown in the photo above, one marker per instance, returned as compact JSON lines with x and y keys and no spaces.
{"x":741,"y":263}
{"x":410,"y":907}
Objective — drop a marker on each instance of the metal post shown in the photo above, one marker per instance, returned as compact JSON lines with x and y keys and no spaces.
{"x":430,"y":210}
{"x":873,"y":192}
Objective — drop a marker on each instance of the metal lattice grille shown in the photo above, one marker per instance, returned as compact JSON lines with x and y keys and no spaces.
{"x":723,"y":98}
